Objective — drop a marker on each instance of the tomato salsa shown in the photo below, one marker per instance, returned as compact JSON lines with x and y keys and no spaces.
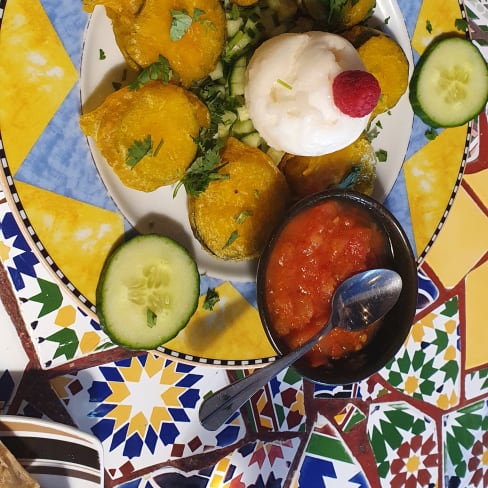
{"x":320,"y":247}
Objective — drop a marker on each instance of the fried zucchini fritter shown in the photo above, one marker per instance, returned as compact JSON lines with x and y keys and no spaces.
{"x":385,"y":60}
{"x":234,"y":217}
{"x":143,"y":31}
{"x":310,"y":174}
{"x":147,"y":135}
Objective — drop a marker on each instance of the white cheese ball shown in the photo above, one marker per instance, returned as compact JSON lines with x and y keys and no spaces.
{"x":288,"y":93}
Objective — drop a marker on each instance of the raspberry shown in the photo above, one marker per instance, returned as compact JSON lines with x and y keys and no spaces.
{"x":355,"y":92}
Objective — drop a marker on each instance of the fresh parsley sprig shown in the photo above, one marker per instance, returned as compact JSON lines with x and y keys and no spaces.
{"x":205,"y":168}
{"x":159,"y":70}
{"x":140,"y":149}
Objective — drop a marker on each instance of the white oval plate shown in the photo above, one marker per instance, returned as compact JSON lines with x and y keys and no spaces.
{"x":158,"y":211}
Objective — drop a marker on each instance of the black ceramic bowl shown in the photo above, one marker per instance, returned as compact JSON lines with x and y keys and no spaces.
{"x":395,"y":326}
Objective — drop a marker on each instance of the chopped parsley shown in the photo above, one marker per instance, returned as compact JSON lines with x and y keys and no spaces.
{"x":151,"y":318}
{"x":430,"y":134}
{"x":211,"y":299}
{"x":284,"y":84}
{"x":461,"y":25}
{"x":205,"y":168}
{"x":181,"y":21}
{"x":428,"y":26}
{"x":233,"y":236}
{"x":101,"y":54}
{"x":140,"y":149}
{"x":159,"y":70}
{"x":241,"y":218}
{"x":381,"y":155}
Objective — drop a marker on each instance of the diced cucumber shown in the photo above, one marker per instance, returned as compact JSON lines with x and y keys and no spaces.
{"x":227,"y":119}
{"x":236,"y":45}
{"x":238,"y":77}
{"x":449,"y":85}
{"x":241,"y":127}
{"x":147,"y":292}
{"x":233,"y":26}
{"x":218,"y":72}
{"x":242,"y":113}
{"x":275,"y":155}
{"x":253,"y":139}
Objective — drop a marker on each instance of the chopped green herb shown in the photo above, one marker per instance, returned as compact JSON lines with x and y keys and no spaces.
{"x":428,"y":26}
{"x":387,"y":20}
{"x":181,"y":21}
{"x":284,"y":84}
{"x":372,"y":132}
{"x":431,"y":134}
{"x":205,"y":168}
{"x":233,"y":236}
{"x":211,"y":299}
{"x":336,"y":10}
{"x":151,"y":318}
{"x":139,"y":150}
{"x":101,"y":54}
{"x":381,"y":155}
{"x":159,"y":70}
{"x":241,"y":218}
{"x":158,"y":147}
{"x":461,"y":25}
{"x":350,"y":180}
{"x":379,"y":124}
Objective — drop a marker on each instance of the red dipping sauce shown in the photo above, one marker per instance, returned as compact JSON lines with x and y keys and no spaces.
{"x":319,"y":248}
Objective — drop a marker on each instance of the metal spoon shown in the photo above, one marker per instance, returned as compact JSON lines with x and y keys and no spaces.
{"x":357,"y":302}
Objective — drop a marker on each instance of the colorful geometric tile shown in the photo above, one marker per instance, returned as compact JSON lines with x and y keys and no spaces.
{"x":428,"y":291}
{"x":476,"y":384}
{"x":350,"y":416}
{"x":59,"y":330}
{"x":336,"y":391}
{"x":145,"y":409}
{"x":434,"y":19}
{"x":231,"y":330}
{"x":465,"y":439}
{"x":465,"y":231}
{"x":36,"y":74}
{"x":279,"y":406}
{"x":327,"y":461}
{"x":427,"y":366}
{"x":404,"y":443}
{"x":476,"y":333}
{"x":13,"y":360}
{"x":64,"y":225}
{"x":431,"y":176}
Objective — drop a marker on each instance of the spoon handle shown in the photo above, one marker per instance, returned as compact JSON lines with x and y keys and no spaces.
{"x":218,"y":407}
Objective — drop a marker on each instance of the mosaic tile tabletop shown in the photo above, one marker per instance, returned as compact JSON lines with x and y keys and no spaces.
{"x":422,"y":421}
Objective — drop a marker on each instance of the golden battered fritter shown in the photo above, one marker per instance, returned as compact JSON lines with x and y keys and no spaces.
{"x":147,"y":135}
{"x":234,"y":217}
{"x":143,"y":32}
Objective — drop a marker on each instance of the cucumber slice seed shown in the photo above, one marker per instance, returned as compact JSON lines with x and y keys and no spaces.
{"x":147,"y":292}
{"x":449,"y":85}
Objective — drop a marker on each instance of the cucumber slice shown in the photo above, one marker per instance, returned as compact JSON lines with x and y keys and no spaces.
{"x":147,"y":292}
{"x":449,"y":85}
